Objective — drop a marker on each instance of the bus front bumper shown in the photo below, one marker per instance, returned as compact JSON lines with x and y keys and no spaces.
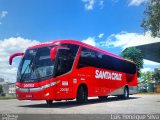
{"x":35,"y":93}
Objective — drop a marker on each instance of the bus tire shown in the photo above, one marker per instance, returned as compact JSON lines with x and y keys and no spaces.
{"x":82,"y":95}
{"x":102,"y":98}
{"x":125,"y":93}
{"x":49,"y":102}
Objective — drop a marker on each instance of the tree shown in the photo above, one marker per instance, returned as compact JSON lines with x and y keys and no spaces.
{"x":156,"y":76}
{"x":147,"y":77}
{"x":135,"y":55}
{"x":1,"y":89}
{"x":152,"y":20}
{"x":147,"y":80}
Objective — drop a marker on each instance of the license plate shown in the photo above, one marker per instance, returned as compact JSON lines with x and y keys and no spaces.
{"x":29,"y":96}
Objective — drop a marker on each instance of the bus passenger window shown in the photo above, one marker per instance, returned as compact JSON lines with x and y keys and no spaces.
{"x":66,"y":59}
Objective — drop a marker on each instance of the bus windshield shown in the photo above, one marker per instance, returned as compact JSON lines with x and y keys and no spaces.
{"x":36,"y":65}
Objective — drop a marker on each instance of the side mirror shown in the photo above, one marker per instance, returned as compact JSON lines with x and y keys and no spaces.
{"x":13,"y":56}
{"x":54,"y":50}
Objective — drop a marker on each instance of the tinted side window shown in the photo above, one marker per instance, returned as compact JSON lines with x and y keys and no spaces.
{"x":96,"y":59}
{"x":111,"y":63}
{"x":87,"y":58}
{"x":66,"y":59}
{"x":83,"y":58}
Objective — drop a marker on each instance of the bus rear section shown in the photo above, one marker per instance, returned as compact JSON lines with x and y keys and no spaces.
{"x":68,"y":69}
{"x":106,"y":74}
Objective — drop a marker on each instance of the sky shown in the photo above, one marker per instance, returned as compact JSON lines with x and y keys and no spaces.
{"x":111,"y":25}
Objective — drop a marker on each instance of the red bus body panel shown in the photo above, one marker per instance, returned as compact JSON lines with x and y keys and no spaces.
{"x":66,"y":85}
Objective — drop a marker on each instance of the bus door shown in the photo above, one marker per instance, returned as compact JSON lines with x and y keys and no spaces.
{"x":63,"y":68}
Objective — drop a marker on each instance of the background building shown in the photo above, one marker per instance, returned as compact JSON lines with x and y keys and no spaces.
{"x":2,"y":81}
{"x":8,"y":87}
{"x":12,"y":88}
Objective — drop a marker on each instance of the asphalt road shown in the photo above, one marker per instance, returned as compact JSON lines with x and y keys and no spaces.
{"x":137,"y":104}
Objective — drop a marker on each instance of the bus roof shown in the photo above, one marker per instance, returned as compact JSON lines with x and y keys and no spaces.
{"x":57,"y":42}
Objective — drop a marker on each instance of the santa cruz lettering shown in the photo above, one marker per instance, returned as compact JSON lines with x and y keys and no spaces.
{"x":108,"y":75}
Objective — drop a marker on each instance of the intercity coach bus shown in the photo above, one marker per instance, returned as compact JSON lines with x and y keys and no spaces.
{"x":69,"y":69}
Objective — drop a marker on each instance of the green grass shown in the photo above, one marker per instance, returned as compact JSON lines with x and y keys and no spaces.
{"x":8,"y":97}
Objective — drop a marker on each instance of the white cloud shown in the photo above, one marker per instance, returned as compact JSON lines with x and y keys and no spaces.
{"x":3,"y":14}
{"x":125,"y":39}
{"x":101,"y":4}
{"x":90,"y":41}
{"x":101,"y":35}
{"x":137,"y":2}
{"x":8,"y":47}
{"x":146,"y":69}
{"x":142,"y":39}
{"x":90,"y":4}
{"x":151,"y":63}
{"x":94,"y":40}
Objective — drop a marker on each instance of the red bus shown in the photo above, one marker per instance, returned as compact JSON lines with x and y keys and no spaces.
{"x":69,"y":69}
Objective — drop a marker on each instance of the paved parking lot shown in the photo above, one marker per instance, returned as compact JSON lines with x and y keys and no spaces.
{"x":136,"y":104}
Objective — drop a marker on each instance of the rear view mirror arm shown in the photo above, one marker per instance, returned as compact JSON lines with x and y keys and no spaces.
{"x":13,"y":56}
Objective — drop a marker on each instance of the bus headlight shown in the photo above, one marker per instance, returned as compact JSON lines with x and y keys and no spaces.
{"x":47,"y":94}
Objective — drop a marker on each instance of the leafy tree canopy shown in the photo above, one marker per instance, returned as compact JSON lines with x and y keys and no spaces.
{"x":135,"y":55}
{"x":152,"y":20}
{"x":1,"y":89}
{"x":156,"y":76}
{"x":147,"y":77}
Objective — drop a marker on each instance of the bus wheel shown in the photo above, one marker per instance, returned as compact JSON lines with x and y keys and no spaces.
{"x":49,"y":102}
{"x":102,"y":98}
{"x":82,"y":95}
{"x":126,"y":93}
